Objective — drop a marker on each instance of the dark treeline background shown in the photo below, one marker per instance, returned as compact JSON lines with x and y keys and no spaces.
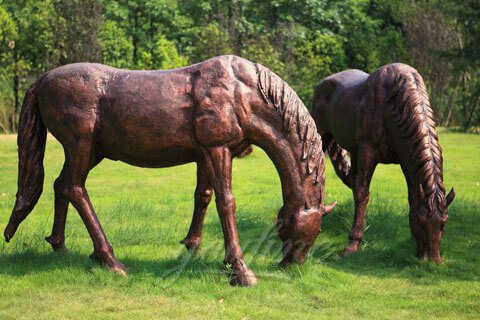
{"x":301,"y":40}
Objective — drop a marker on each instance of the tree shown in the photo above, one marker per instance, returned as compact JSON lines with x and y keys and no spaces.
{"x":466,"y":57}
{"x":163,"y":55}
{"x":8,"y":36}
{"x":303,"y":41}
{"x":116,"y":47}
{"x":78,"y":25}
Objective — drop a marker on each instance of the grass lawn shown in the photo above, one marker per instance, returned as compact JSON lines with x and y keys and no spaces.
{"x":145,"y":212}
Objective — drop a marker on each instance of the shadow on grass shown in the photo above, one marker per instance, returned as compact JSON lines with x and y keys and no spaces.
{"x":183,"y":267}
{"x":30,"y":261}
{"x":388,"y":251}
{"x":178,"y":264}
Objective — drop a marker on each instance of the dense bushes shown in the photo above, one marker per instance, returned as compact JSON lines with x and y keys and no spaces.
{"x":302,"y":40}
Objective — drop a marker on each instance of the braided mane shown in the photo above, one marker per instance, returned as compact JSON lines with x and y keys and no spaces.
{"x":295,"y":117}
{"x":414,"y":117}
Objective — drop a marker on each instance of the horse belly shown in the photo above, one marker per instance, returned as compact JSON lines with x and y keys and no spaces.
{"x":341,"y":116}
{"x":154,"y":158}
{"x":148,"y":133}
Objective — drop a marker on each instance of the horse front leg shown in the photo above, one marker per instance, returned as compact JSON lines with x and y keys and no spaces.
{"x":203,"y":196}
{"x":218,"y":161}
{"x":364,"y":162}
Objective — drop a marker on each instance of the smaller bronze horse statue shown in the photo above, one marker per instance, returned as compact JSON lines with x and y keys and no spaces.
{"x":205,"y":113}
{"x":385,"y":117}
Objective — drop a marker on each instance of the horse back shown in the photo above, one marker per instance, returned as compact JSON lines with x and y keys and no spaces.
{"x":151,"y":118}
{"x":336,"y":104}
{"x":140,"y":117}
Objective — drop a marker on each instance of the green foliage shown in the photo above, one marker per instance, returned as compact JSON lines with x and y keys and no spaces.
{"x":316,"y":57}
{"x":208,"y":42}
{"x":262,"y":51}
{"x":301,"y":40}
{"x":466,"y":58}
{"x":162,"y":55}
{"x":78,"y":22}
{"x":116,"y":47}
{"x":8,"y":35}
{"x":41,"y":39}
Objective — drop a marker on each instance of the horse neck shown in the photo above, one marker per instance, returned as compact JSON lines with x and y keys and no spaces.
{"x":415,"y":180}
{"x":419,"y":151}
{"x":284,"y":128}
{"x":300,"y":189}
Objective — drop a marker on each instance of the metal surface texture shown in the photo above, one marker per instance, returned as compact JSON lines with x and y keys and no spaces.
{"x":385,"y":117}
{"x":205,"y":113}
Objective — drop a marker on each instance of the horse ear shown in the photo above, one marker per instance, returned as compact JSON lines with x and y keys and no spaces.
{"x":450,"y":196}
{"x":328,"y":208}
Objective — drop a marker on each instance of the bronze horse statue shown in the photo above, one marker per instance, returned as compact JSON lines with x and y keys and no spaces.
{"x":385,"y":117}
{"x":205,"y":113}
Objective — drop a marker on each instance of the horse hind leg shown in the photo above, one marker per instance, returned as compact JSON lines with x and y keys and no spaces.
{"x":203,"y":196}
{"x":341,"y":163}
{"x":57,"y":237}
{"x":78,"y":160}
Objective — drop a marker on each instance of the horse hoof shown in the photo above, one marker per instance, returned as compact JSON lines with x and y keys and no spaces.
{"x":111,"y":263}
{"x":350,"y":249}
{"x":119,"y":269}
{"x":285,"y":263}
{"x":192,"y":244}
{"x":57,"y":246}
{"x":241,"y":275}
{"x":245,"y":279}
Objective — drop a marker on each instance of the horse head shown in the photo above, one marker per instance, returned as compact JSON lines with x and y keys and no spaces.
{"x":298,"y":229}
{"x":427,"y":221}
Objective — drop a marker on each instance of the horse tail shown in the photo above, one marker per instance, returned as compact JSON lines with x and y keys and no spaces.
{"x":414,"y":117}
{"x":340,"y":161}
{"x":31,"y":139}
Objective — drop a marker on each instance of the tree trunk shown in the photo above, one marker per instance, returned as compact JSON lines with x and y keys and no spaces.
{"x":233,"y":34}
{"x":135,"y":37}
{"x":472,"y":113}
{"x":451,"y":102}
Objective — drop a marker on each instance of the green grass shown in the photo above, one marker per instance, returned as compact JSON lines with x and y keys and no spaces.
{"x":145,"y":213}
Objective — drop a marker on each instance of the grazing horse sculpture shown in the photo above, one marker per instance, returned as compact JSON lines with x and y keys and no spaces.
{"x":385,"y":117}
{"x":205,"y":113}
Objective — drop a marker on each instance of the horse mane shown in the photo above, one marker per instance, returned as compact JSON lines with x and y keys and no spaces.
{"x":295,"y":117}
{"x":414,"y":116}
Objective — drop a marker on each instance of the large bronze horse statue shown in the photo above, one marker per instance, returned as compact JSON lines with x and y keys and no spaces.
{"x":205,"y":113}
{"x":385,"y":117}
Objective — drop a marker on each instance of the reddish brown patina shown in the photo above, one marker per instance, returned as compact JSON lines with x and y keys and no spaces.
{"x":204,"y":113}
{"x":385,"y":117}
